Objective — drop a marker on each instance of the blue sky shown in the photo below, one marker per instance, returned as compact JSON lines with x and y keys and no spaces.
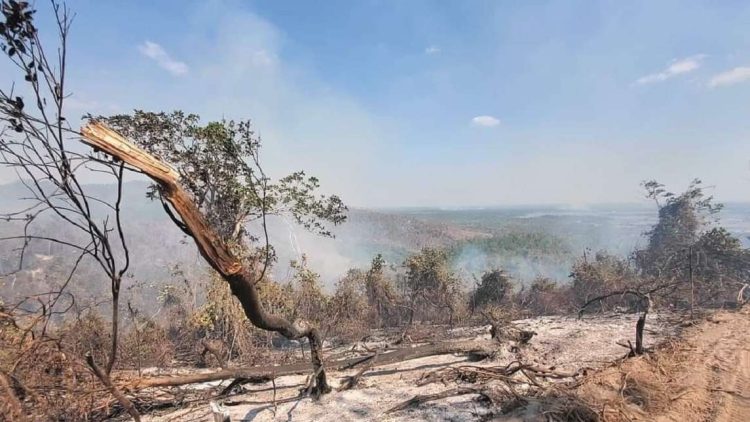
{"x":443,"y":103}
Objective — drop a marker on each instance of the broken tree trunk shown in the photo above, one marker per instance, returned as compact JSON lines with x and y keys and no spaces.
{"x":741,"y":295}
{"x":268,"y":372}
{"x":215,"y":251}
{"x":640,"y":325}
{"x":220,"y":414}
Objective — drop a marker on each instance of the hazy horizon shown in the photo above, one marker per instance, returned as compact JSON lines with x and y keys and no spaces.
{"x":642,"y":202}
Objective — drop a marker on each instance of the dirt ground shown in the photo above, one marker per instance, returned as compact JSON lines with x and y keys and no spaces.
{"x":705,"y":376}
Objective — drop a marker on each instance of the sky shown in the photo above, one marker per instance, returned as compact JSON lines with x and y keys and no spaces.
{"x":441,"y":103}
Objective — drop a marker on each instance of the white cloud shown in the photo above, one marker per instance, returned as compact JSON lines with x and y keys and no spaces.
{"x":677,"y":67}
{"x":155,"y":52}
{"x":730,"y":77}
{"x":432,"y":50}
{"x":485,"y":121}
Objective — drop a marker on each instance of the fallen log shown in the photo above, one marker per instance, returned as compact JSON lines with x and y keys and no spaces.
{"x":481,"y":347}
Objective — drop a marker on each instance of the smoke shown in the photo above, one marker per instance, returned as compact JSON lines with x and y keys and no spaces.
{"x":473,"y":261}
{"x":326,"y":256}
{"x":526,"y":243}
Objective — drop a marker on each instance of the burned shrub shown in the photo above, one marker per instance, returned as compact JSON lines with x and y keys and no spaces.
{"x":495,"y":287}
{"x":433,"y":288}
{"x":544,"y":297}
{"x":605,"y":273}
{"x":345,"y":309}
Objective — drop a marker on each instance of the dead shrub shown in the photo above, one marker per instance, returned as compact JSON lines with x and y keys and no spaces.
{"x":146,"y":344}
{"x":89,"y":332}
{"x":310,"y":302}
{"x":47,"y":379}
{"x":568,"y":408}
{"x":345,"y":309}
{"x":222,"y":319}
{"x":598,"y":276}
{"x":544,"y":297}
{"x":385,"y":304}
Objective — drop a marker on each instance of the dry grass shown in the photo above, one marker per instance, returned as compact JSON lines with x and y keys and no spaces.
{"x":679,"y":380}
{"x":46,"y":381}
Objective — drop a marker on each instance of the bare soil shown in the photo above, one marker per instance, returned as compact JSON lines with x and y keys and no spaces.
{"x":705,"y":376}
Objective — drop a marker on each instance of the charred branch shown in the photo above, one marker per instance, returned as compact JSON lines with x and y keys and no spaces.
{"x":104,"y":378}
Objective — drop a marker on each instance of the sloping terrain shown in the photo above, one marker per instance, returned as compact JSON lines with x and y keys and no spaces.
{"x":703,"y":377}
{"x":562,"y":344}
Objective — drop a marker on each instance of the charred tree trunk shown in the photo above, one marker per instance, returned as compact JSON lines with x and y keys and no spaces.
{"x":639,"y":326}
{"x":115,"y":325}
{"x":241,"y":278}
{"x":243,"y":287}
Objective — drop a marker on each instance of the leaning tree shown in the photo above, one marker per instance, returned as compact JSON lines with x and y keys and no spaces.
{"x":210,"y":182}
{"x":208,"y":177}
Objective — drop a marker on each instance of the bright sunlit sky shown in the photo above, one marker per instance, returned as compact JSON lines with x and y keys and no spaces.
{"x":443,"y":103}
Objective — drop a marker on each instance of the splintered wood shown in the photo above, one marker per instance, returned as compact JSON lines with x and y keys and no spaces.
{"x":107,"y":140}
{"x":216,"y":252}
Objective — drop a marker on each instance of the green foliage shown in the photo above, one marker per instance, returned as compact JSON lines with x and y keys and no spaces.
{"x":688,"y":246}
{"x":495,"y":287}
{"x":524,"y":254}
{"x":429,"y":271}
{"x":219,"y":164}
{"x":530,"y":244}
{"x":720,"y":264}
